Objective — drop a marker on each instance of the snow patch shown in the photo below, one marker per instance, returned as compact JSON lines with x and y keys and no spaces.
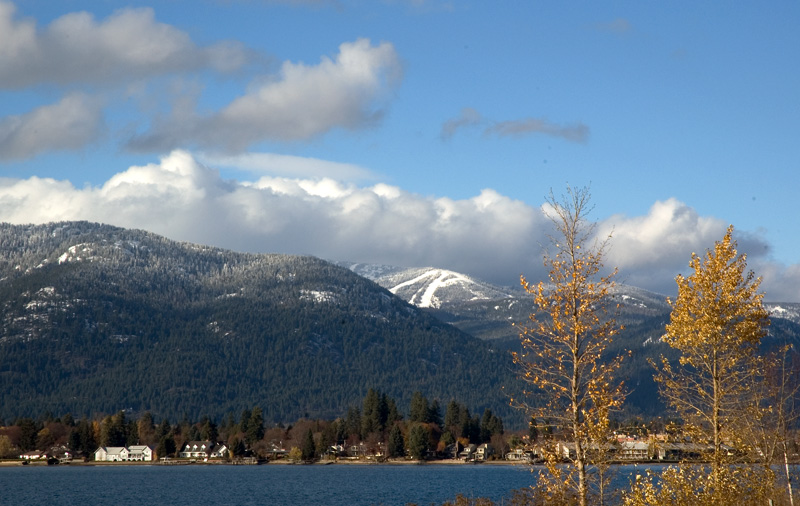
{"x":317,"y":296}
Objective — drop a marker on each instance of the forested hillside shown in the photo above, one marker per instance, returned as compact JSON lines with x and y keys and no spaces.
{"x":98,"y":318}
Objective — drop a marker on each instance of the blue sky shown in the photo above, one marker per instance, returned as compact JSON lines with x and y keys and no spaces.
{"x":417,"y":133}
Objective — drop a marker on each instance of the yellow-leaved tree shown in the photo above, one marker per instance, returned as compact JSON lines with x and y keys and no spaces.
{"x":716,"y":324}
{"x":571,"y":385}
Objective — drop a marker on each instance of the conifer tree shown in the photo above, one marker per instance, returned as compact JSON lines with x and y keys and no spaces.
{"x":418,"y":440}
{"x":419,"y":411}
{"x":371,"y":413}
{"x":396,"y":446}
{"x":308,"y":449}
{"x":571,"y":383}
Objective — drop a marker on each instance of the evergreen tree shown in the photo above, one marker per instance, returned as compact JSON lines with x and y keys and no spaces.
{"x":164,"y":428}
{"x":392,"y":412}
{"x":418,"y":441}
{"x":435,"y":413}
{"x":353,"y":422}
{"x":327,"y":438}
{"x":244,"y":421}
{"x":308,"y":448}
{"x":237,"y":448}
{"x":452,"y":417}
{"x":28,"y":432}
{"x":131,"y":433}
{"x":255,"y":427}
{"x":208,"y":431}
{"x":396,"y":446}
{"x":371,"y":413}
{"x":113,"y":430}
{"x":490,"y":425}
{"x":419,"y":410}
{"x":166,"y":446}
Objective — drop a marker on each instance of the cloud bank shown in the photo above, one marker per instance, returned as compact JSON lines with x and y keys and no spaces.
{"x":489,"y":236}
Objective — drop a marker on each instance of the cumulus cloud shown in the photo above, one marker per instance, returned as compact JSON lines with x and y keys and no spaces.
{"x":490,"y":236}
{"x":304,"y":101}
{"x":471,"y":118}
{"x":76,"y":48}
{"x":71,"y":123}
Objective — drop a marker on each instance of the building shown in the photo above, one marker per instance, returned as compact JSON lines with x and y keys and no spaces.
{"x":123,"y":454}
{"x":634,"y":450}
{"x":203,"y":450}
{"x":140,"y":453}
{"x":484,"y":451}
{"x":111,"y":454}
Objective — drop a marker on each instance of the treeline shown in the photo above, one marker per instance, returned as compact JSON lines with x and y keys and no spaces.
{"x":377,"y":425}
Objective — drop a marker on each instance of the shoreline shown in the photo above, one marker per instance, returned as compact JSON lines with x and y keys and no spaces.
{"x":344,"y":462}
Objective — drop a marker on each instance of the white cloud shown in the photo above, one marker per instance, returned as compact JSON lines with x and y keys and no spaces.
{"x":288,"y":166}
{"x":489,"y":236}
{"x":75,"y":48}
{"x":301,"y":103}
{"x":69,"y":124}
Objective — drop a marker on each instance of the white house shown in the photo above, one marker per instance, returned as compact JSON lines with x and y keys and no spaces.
{"x":111,"y":454}
{"x":140,"y":452}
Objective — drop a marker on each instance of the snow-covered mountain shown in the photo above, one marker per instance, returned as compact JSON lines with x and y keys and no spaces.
{"x":482,"y":309}
{"x":429,"y":287}
{"x":487,"y":311}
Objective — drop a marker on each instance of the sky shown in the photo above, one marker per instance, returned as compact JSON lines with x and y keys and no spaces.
{"x":412,"y":132}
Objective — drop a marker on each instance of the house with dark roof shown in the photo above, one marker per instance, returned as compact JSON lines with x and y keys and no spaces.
{"x":203,"y":450}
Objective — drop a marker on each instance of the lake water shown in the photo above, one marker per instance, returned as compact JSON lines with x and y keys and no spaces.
{"x":261,"y":485}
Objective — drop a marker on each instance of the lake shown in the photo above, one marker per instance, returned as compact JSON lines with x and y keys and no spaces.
{"x":214,"y":485}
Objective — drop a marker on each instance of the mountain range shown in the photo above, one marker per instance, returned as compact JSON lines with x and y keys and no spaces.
{"x":488,"y":312}
{"x":96,"y":319}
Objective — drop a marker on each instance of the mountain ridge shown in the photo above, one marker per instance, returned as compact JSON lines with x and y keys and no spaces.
{"x":99,"y":318}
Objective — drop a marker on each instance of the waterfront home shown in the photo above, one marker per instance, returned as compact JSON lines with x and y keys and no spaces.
{"x":468,"y":453}
{"x":520,"y":455}
{"x":111,"y":454}
{"x":357,"y":450}
{"x":203,"y":450}
{"x":484,"y":451}
{"x":634,"y":450}
{"x":681,"y":451}
{"x":451,"y":451}
{"x":140,"y":453}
